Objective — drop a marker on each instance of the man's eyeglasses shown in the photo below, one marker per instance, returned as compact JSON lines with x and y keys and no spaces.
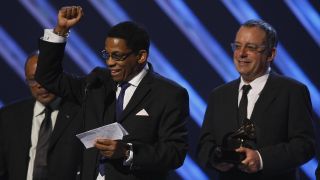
{"x":115,"y":56}
{"x":254,"y":48}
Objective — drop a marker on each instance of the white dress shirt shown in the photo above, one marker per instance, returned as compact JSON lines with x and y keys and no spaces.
{"x":256,"y":87}
{"x":134,"y":82}
{"x":38,"y":116}
{"x":253,"y":95}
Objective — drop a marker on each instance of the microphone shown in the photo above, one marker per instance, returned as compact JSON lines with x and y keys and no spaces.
{"x":92,"y":81}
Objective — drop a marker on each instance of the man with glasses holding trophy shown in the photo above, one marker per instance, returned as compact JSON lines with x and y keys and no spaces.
{"x":260,"y":125}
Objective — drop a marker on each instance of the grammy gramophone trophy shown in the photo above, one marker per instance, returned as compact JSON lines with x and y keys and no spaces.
{"x":243,"y":137}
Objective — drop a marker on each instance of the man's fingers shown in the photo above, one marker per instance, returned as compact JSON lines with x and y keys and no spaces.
{"x":248,"y":166}
{"x":71,"y":12}
{"x":101,"y":146}
{"x":79,"y":12}
{"x":74,"y":11}
{"x":245,"y":162}
{"x":68,"y":11}
{"x":105,"y":141}
{"x":241,"y":149}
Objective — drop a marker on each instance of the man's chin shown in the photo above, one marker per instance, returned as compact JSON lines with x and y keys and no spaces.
{"x":45,"y":101}
{"x":116,"y":79}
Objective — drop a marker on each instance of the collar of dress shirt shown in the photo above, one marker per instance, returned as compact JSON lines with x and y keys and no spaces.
{"x":135,"y":81}
{"x":39,"y":107}
{"x":257,"y":84}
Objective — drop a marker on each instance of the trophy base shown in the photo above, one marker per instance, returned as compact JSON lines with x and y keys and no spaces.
{"x":228,"y":156}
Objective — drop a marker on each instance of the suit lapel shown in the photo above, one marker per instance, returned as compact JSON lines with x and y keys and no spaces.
{"x":108,"y":110}
{"x":99,"y":96}
{"x":267,"y":96}
{"x":141,"y":91}
{"x":100,"y":102}
{"x":24,"y":126}
{"x":233,"y":111}
{"x":65,"y":115}
{"x":109,"y":113}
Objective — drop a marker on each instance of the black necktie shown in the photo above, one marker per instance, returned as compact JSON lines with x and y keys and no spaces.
{"x":244,"y":103}
{"x":119,"y":102}
{"x":40,"y":163}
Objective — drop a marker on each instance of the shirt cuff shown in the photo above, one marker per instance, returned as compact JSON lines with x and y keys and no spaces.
{"x":260,"y":159}
{"x":128,"y":161}
{"x":50,"y":36}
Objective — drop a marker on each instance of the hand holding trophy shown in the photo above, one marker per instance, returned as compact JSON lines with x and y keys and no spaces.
{"x":243,"y":137}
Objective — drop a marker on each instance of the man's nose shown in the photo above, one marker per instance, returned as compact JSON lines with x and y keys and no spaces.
{"x":243,"y":52}
{"x":110,"y":61}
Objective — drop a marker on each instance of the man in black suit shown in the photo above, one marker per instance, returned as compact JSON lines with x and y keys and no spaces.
{"x":20,"y":133}
{"x":277,"y":108}
{"x":154,"y":109}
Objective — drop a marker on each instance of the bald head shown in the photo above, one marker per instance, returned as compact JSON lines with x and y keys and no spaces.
{"x":31,"y":64}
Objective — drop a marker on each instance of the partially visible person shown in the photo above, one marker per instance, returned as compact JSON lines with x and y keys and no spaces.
{"x":317,"y":172}
{"x":37,"y":135}
{"x":276,"y":109}
{"x":150,"y":107}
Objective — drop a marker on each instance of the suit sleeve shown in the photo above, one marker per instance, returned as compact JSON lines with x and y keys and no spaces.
{"x":300,"y":145}
{"x":50,"y":73}
{"x":169,"y":151}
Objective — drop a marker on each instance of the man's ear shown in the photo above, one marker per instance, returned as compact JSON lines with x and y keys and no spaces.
{"x":142,"y":56}
{"x":271,"y":54}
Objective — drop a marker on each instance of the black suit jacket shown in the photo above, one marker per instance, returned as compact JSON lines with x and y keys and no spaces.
{"x":64,"y":154}
{"x":159,"y":139}
{"x":282,"y":116}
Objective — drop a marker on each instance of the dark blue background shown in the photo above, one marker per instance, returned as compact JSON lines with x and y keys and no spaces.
{"x":18,"y":22}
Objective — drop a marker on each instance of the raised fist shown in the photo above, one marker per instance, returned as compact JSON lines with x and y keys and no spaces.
{"x":68,"y":16}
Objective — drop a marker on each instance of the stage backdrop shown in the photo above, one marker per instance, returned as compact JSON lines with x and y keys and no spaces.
{"x":190,"y":44}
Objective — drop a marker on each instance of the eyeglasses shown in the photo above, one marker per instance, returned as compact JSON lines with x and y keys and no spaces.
{"x":31,"y":82}
{"x":115,"y":56}
{"x":254,"y":48}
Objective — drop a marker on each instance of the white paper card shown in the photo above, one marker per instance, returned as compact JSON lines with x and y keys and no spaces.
{"x":114,"y":131}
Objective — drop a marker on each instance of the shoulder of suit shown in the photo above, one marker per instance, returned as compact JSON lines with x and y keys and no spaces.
{"x":230,"y":86}
{"x":17,"y":108}
{"x":20,"y":103}
{"x":165,"y":83}
{"x":100,"y":71}
{"x":285,"y":81}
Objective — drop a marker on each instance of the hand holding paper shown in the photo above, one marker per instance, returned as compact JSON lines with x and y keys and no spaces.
{"x":112,"y":149}
{"x":112,"y":131}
